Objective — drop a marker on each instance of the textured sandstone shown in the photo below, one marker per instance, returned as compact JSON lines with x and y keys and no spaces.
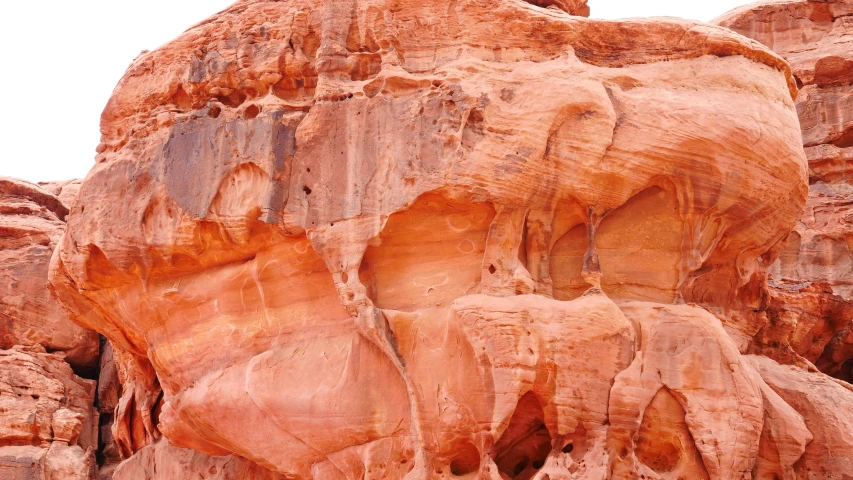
{"x":427,"y":239}
{"x":827,"y":410}
{"x":161,"y":461}
{"x":31,"y":222}
{"x":812,"y":295}
{"x":48,"y":426}
{"x":48,"y":423}
{"x":109,"y":392}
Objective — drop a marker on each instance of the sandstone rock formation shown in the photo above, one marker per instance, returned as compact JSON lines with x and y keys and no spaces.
{"x":812,"y":295}
{"x":31,"y":222}
{"x":429,"y":239}
{"x":48,"y":420}
{"x":160,"y":461}
{"x":48,"y":424}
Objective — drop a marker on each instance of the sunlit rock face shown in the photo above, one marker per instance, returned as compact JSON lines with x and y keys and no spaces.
{"x":812,"y":294}
{"x":428,"y":239}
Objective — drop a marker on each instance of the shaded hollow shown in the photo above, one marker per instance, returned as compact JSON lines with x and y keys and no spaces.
{"x":466,"y":460}
{"x":664,"y":443}
{"x":567,"y":263}
{"x":639,"y":249}
{"x":572,"y":7}
{"x":639,"y":246}
{"x":526,"y":443}
{"x":427,"y":255}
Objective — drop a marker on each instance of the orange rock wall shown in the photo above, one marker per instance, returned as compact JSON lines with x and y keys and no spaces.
{"x":470,"y":239}
{"x":812,"y":282}
{"x":48,"y":419}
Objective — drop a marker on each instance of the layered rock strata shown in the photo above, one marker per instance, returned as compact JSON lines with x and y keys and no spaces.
{"x":447,"y":239}
{"x":31,"y":222}
{"x":812,"y":282}
{"x":48,"y":421}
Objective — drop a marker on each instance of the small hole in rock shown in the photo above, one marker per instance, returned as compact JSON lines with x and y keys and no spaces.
{"x":520,"y":466}
{"x":214,"y":111}
{"x":252,"y":111}
{"x":568,"y":448}
{"x":306,"y":190}
{"x":345,"y":277}
{"x":467,"y":460}
{"x":538,"y":464}
{"x":492,"y":269}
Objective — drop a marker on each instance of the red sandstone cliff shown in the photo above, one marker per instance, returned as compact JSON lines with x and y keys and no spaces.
{"x":428,"y":239}
{"x":812,"y":295}
{"x":48,"y":421}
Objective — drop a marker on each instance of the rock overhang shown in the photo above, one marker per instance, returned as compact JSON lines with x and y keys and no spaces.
{"x":328,"y":166}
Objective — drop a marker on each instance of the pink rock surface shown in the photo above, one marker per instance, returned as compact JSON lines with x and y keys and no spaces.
{"x":427,"y":239}
{"x":826,"y":406}
{"x":48,"y":424}
{"x":31,"y":222}
{"x":813,"y":280}
{"x":161,"y":461}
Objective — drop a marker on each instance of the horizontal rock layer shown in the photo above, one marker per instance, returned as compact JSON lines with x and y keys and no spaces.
{"x":48,"y":420}
{"x":31,"y":222}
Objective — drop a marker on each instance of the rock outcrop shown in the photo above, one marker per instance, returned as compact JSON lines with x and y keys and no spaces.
{"x":48,"y":419}
{"x":470,"y":239}
{"x":160,"y":461}
{"x":48,"y":423}
{"x":812,"y":282}
{"x":31,"y":222}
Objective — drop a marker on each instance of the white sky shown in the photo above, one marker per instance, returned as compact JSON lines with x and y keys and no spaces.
{"x":62,"y":58}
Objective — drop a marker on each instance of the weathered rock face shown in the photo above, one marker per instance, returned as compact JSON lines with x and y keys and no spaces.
{"x":827,"y":409}
{"x":160,"y":461}
{"x":48,"y":422}
{"x":428,"y":239}
{"x":812,"y":294}
{"x":31,"y":222}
